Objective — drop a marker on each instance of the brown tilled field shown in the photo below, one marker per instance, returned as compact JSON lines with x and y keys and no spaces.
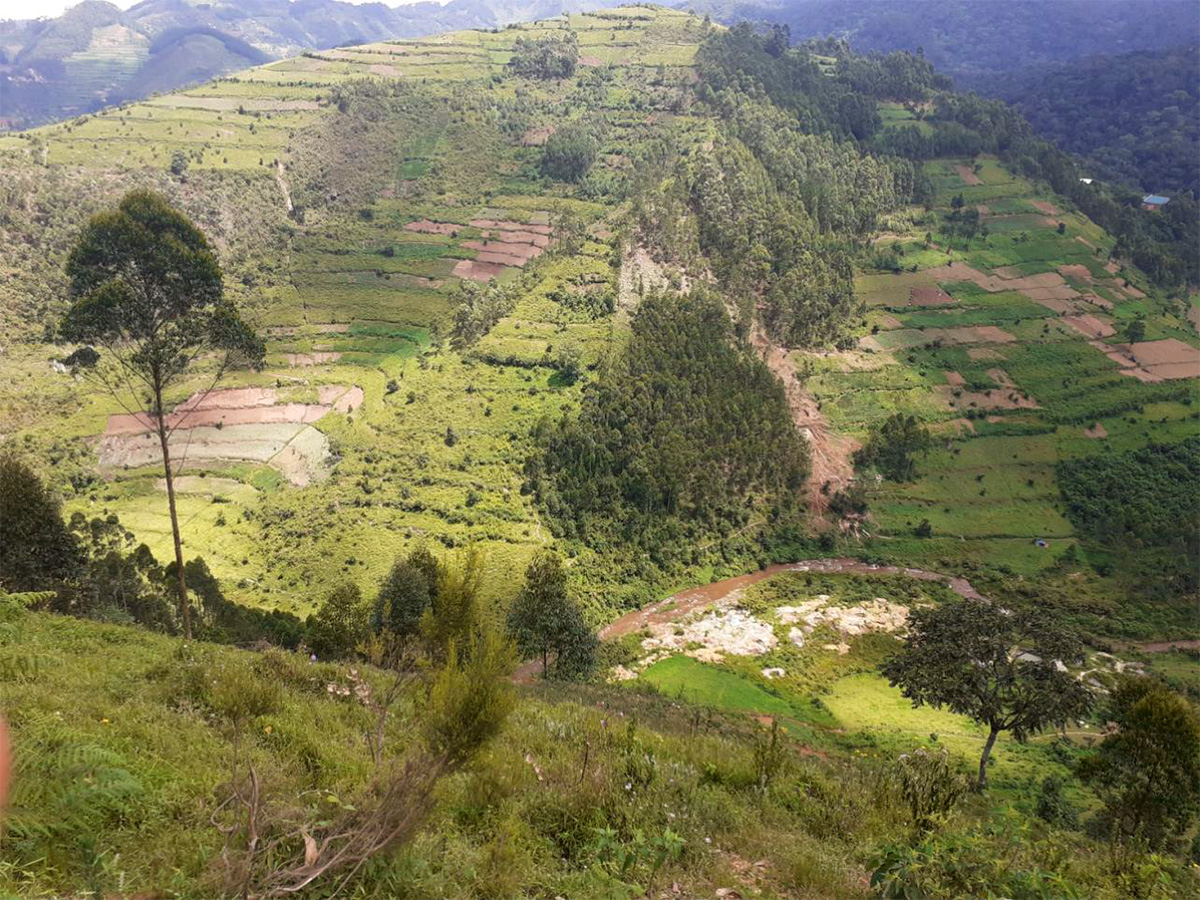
{"x":233,"y":424}
{"x":1089,"y":326}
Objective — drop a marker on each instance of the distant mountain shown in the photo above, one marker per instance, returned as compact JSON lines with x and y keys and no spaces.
{"x":973,"y":40}
{"x":95,"y":55}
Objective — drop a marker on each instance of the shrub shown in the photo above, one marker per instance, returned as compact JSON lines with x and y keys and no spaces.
{"x":929,"y":786}
{"x":341,"y":623}
{"x":545,"y":57}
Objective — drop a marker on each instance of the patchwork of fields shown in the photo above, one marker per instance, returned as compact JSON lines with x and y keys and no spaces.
{"x":350,"y":267}
{"x":1014,"y":346}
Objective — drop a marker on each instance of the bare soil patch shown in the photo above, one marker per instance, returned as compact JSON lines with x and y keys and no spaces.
{"x":236,"y":423}
{"x":1089,"y":326}
{"x":967,"y":174}
{"x":424,"y":226}
{"x":953,"y":378}
{"x":1078,"y":272}
{"x":1167,"y":646}
{"x":478,"y":271}
{"x":1097,"y":300}
{"x":1096,"y":431}
{"x":1171,"y":350}
{"x":1002,"y":378}
{"x":1045,"y":206}
{"x":535,"y":137}
{"x":999,"y":398}
{"x":929,"y":295}
{"x":384,"y":69}
{"x":830,"y":452}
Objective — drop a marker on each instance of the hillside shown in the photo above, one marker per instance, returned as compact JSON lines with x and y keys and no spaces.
{"x":1135,"y":117}
{"x":974,"y":42}
{"x":677,"y":303}
{"x":96,"y":55}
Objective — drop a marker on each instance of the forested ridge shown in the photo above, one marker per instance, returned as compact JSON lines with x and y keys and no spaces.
{"x":683,"y":440}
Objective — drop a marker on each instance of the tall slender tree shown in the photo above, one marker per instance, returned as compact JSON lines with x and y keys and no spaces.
{"x":146,"y":288}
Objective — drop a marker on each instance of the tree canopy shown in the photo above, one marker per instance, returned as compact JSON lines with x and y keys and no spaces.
{"x":1003,"y":668}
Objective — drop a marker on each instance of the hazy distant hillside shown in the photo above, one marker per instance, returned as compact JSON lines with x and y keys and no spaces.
{"x":94,"y":54}
{"x":1134,"y":116}
{"x":972,"y":41}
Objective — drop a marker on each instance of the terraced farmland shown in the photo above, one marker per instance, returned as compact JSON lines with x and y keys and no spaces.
{"x":350,"y":266}
{"x":1014,"y":344}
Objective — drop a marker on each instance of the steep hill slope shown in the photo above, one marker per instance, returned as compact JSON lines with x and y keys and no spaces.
{"x":94,"y":54}
{"x":632,"y":287}
{"x":356,"y":195}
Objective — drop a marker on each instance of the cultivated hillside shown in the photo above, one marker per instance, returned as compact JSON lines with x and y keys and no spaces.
{"x":96,"y":55}
{"x":676,"y":302}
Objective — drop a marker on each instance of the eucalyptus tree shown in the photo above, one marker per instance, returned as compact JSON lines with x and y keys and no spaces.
{"x":146,"y":289}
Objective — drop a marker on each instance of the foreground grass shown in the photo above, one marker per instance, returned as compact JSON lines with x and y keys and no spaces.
{"x":588,"y":791}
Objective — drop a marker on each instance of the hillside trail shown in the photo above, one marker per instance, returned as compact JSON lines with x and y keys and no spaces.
{"x":691,"y":600}
{"x":830,"y":452}
{"x":281,"y":180}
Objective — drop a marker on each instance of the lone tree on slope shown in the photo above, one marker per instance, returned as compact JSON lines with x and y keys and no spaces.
{"x":146,"y":288}
{"x":545,"y":621}
{"x":1003,"y":668}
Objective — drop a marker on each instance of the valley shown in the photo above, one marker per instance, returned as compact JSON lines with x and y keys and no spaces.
{"x":643,"y":293}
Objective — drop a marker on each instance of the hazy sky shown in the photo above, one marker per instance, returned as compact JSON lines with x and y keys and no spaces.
{"x":31,"y":9}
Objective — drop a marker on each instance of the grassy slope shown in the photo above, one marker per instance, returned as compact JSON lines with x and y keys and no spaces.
{"x":119,"y":759}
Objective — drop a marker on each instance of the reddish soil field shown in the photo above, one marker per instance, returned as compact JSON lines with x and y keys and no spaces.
{"x":1097,"y":300}
{"x":1045,"y":206}
{"x":1089,"y":326}
{"x":930,"y":295}
{"x":1172,"y":350}
{"x":967,"y":174}
{"x":953,"y":378}
{"x":1096,"y":431}
{"x":424,"y":226}
{"x":999,"y":398}
{"x":477,"y":271}
{"x":1078,"y":272}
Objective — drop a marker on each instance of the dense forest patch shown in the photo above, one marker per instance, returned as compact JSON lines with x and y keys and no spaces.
{"x":1142,"y":506}
{"x":684,"y":438}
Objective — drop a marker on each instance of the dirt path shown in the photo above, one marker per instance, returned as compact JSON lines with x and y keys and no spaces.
{"x":283,"y":186}
{"x":691,"y":600}
{"x":830,"y":451}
